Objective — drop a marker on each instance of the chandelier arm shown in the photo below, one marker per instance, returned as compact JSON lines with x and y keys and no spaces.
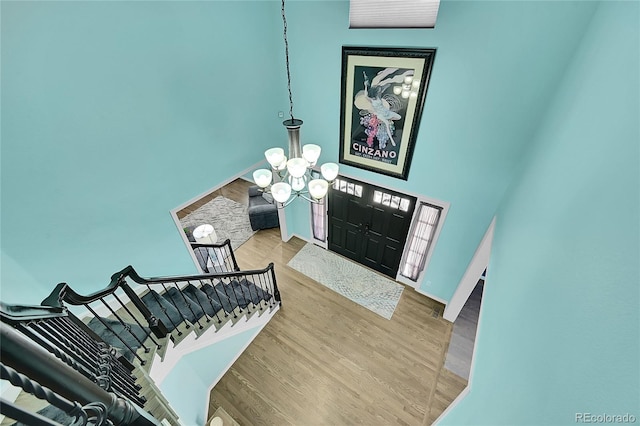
{"x":309,"y":199}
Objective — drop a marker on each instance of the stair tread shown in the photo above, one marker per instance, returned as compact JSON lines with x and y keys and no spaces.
{"x":122,"y":336}
{"x":184,"y":304}
{"x":217,"y":293}
{"x":162,"y":309}
{"x":210,"y":306}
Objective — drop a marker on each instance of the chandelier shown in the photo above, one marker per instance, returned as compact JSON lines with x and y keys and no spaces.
{"x":293,"y":177}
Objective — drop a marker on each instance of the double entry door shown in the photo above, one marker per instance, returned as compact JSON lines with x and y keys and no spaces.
{"x":369,"y":224}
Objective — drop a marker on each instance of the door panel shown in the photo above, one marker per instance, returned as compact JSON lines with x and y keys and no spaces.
{"x":390,"y":260}
{"x":397,"y":230}
{"x":352,"y":243}
{"x":345,"y":222}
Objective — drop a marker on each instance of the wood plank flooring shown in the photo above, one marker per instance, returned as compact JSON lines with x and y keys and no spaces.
{"x":236,"y":191}
{"x":325,"y":360}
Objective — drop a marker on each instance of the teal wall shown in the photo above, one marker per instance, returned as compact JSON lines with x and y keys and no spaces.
{"x":187,"y":386}
{"x":113,"y":113}
{"x":559,"y":328}
{"x":494,"y":74}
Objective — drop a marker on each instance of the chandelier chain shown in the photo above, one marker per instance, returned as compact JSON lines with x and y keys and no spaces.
{"x":286,"y":55}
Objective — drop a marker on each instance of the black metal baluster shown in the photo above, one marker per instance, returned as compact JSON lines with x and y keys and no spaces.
{"x":210,"y":301}
{"x":74,"y":330}
{"x":233,"y":256}
{"x":173,"y":302}
{"x":249,"y":284}
{"x":126,"y":326}
{"x":72,"y":409}
{"x":197,"y":300}
{"x":60,"y":354}
{"x":164,"y":310}
{"x":220,"y":255}
{"x":56,"y":333}
{"x":186,"y":300}
{"x":111,"y":370}
{"x":103,"y":378}
{"x":107,"y":363}
{"x":142,"y":362}
{"x":136,"y":320}
{"x":81,"y":355}
{"x":264,"y":284}
{"x":259,"y":284}
{"x":224,"y":288}
{"x":103,"y":351}
{"x":244,"y":297}
{"x":215,"y":291}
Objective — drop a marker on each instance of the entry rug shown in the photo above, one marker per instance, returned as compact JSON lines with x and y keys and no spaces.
{"x":355,"y":282}
{"x":229,"y":219}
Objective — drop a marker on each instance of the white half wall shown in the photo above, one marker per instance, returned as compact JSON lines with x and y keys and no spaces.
{"x":471,"y":276}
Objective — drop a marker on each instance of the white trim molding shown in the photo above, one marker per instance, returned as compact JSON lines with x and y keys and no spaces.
{"x":160,"y":369}
{"x":443,"y":215}
{"x":174,"y":211}
{"x":467,"y":389}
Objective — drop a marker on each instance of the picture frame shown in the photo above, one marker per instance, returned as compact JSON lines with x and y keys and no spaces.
{"x":382,"y":98}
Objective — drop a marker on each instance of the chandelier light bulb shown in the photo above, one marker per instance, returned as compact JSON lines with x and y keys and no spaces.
{"x":397,"y":89}
{"x":405,"y":94}
{"x":297,"y":167}
{"x":281,"y":191}
{"x":329,"y":171}
{"x":318,"y":188}
{"x":408,"y":80}
{"x":262,"y":177}
{"x":275,"y":156}
{"x":311,"y":153}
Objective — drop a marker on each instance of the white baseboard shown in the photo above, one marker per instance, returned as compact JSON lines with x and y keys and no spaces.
{"x":431,"y":296}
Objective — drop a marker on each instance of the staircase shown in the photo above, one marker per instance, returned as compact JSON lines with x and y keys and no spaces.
{"x":123,"y":339}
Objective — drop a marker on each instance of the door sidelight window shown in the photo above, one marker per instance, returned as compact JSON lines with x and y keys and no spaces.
{"x":420,"y":240}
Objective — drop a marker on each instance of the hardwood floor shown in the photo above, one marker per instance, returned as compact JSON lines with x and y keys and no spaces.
{"x":236,"y":191}
{"x":325,"y":360}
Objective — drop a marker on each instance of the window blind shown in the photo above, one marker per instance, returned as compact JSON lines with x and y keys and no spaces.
{"x":393,"y":13}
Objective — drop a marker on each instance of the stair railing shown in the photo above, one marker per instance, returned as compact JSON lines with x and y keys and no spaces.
{"x":79,"y":375}
{"x":123,"y":306}
{"x":215,"y":258}
{"x":165,"y":306}
{"x":226,"y":293}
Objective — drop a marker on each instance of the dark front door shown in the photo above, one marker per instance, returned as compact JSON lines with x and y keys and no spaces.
{"x":369,"y":224}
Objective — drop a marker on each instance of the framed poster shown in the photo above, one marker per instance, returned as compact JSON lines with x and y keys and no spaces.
{"x":383,"y":94}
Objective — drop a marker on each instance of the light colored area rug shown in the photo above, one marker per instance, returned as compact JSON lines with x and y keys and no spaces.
{"x":229,"y":219}
{"x":355,"y":282}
